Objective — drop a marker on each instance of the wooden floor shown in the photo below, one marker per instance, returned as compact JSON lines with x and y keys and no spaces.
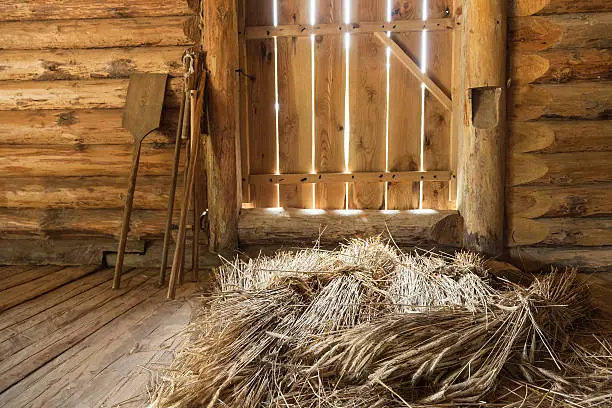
{"x":68,"y":340}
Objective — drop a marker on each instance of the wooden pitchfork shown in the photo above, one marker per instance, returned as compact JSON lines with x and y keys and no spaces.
{"x":141,"y":116}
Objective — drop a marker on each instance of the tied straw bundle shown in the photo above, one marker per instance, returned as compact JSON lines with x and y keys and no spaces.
{"x":366,"y":325}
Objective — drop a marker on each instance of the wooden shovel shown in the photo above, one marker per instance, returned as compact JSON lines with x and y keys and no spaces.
{"x":141,"y":116}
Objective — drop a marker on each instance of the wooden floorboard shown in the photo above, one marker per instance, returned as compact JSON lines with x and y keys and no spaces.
{"x":7,"y":271}
{"x":25,"y":333}
{"x":21,"y":293}
{"x":29,"y":309}
{"x":122,"y":381}
{"x":49,"y":345}
{"x":85,"y":345}
{"x":27,"y":276}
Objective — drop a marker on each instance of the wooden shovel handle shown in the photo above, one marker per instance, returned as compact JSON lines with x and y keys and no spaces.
{"x":127,"y":212}
{"x":180,"y":130}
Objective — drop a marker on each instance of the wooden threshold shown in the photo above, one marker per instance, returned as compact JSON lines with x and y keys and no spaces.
{"x":415,"y":70}
{"x":302,"y":227}
{"x":303,"y":30}
{"x":373,"y":176}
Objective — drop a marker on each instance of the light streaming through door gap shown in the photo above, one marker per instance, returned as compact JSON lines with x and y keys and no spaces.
{"x":424,"y":70}
{"x":347,"y":119}
{"x":312,"y":21}
{"x":276,"y":101}
{"x":387,"y":107}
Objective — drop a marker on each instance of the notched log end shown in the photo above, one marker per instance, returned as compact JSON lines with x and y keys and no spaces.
{"x":448,"y":231}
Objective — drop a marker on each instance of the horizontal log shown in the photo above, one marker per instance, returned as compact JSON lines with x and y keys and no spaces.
{"x":556,"y":66}
{"x":93,"y":33}
{"x":559,"y":201}
{"x":361,"y":27}
{"x":83,"y":160}
{"x":82,"y":94}
{"x":533,"y":259}
{"x":537,"y":33}
{"x":48,"y":65}
{"x":382,"y":177}
{"x":20,"y":10}
{"x":585,"y":100}
{"x":78,"y":223}
{"x":61,"y":251}
{"x":303,"y":227}
{"x":530,"y":7}
{"x":560,"y":136}
{"x":77,"y":127}
{"x":559,"y":231}
{"x":559,"y":168}
{"x":86,"y":192}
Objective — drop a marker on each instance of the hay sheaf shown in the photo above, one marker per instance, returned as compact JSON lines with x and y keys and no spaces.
{"x":369,"y":326}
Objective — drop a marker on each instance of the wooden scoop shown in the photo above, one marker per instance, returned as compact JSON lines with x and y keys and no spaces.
{"x":141,"y":116}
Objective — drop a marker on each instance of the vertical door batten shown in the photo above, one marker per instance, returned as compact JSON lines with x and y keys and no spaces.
{"x":294,"y":104}
{"x":404,"y":111}
{"x":262,"y":99}
{"x":367,"y":105}
{"x":437,"y":123}
{"x":329,"y":106}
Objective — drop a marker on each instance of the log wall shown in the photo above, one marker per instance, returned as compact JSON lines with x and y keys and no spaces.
{"x":559,"y":172}
{"x":64,"y":158}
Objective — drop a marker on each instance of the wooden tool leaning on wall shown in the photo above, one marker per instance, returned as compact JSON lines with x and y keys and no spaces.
{"x":196,"y":108}
{"x":141,"y":116}
{"x":191,"y":64}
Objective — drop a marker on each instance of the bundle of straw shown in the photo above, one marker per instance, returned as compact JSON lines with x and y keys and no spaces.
{"x":369,"y":326}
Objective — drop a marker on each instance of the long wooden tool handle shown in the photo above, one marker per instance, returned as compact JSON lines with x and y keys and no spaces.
{"x":180,"y":238}
{"x":195,"y":249}
{"x":187,"y":161}
{"x":180,"y":130}
{"x":127,"y":212}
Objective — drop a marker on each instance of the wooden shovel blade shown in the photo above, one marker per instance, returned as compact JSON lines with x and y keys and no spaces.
{"x":143,"y":107}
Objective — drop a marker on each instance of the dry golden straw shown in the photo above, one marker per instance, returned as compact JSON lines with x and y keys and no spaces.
{"x":369,"y":326}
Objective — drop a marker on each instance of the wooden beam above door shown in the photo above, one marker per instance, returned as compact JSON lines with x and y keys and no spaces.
{"x":373,"y":176}
{"x":360,"y":27}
